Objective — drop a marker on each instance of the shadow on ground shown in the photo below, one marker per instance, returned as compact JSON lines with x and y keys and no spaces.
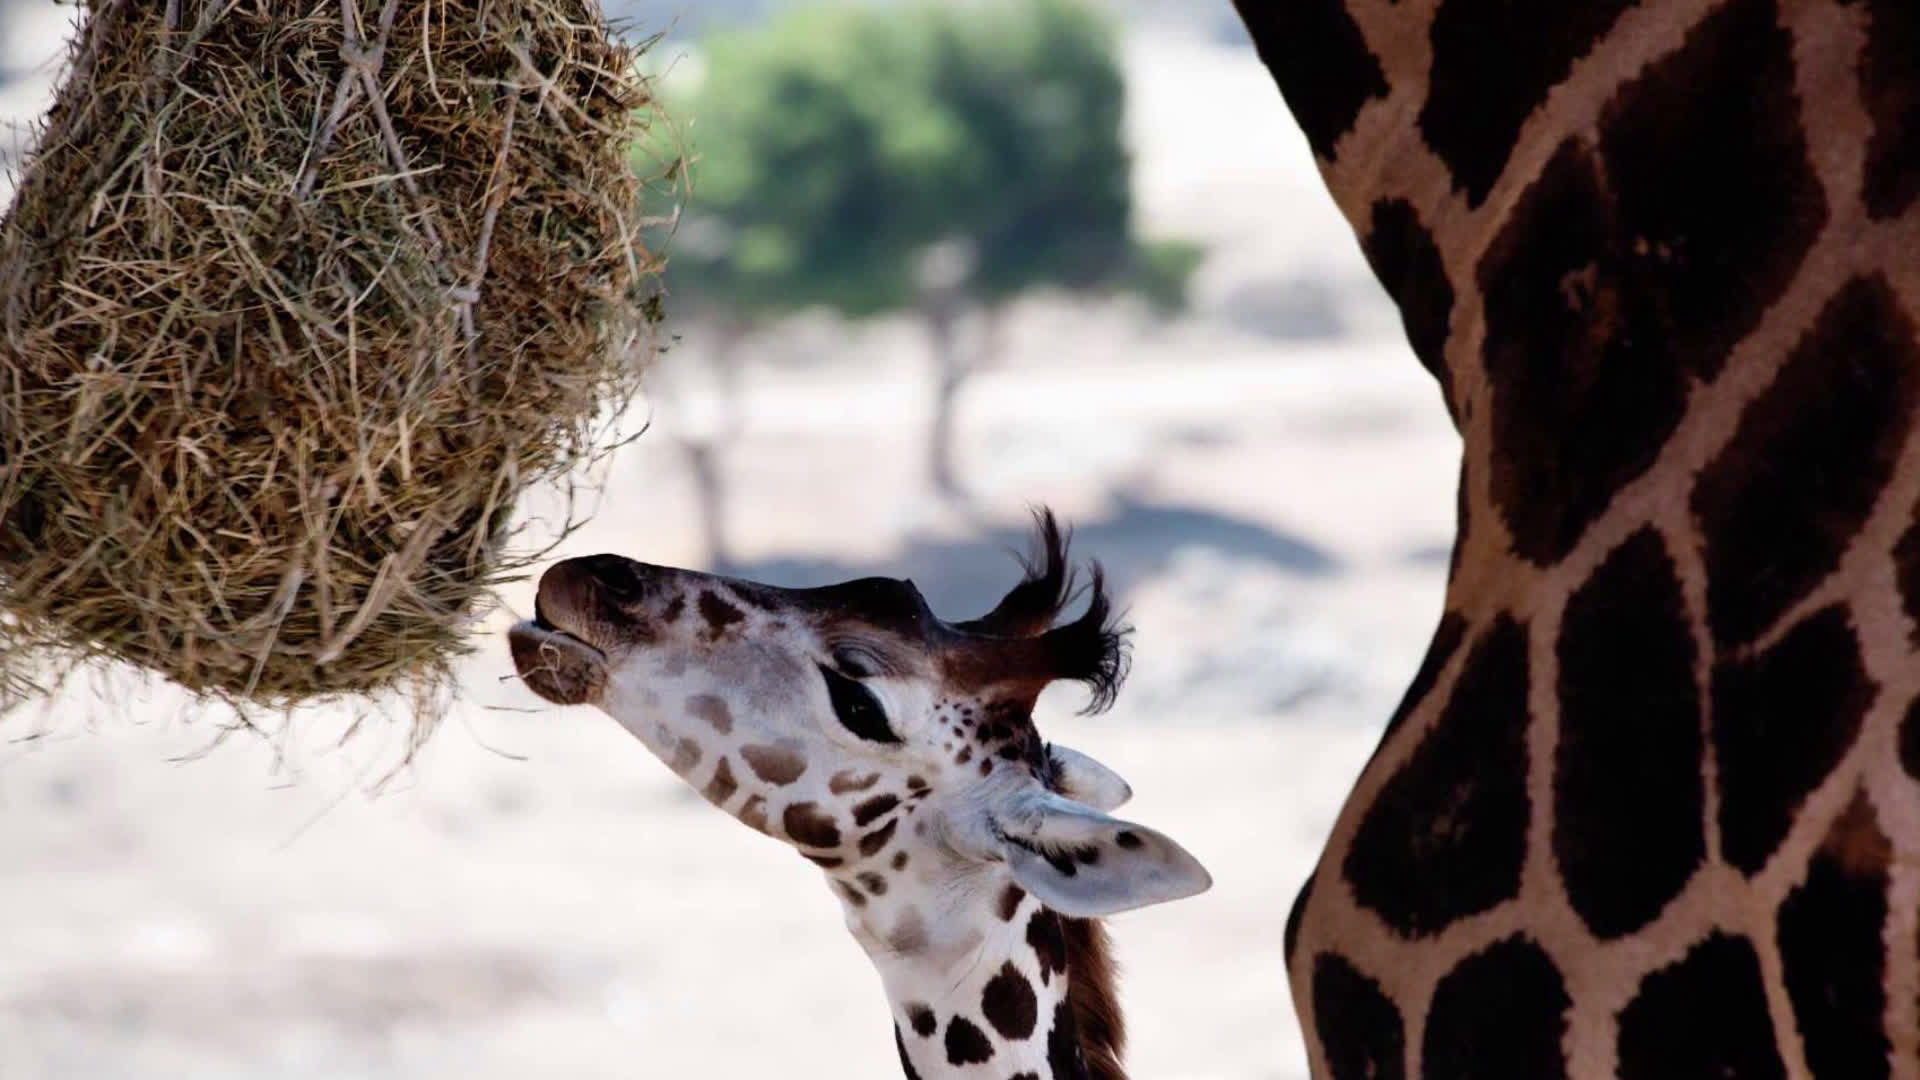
{"x":963,"y":576}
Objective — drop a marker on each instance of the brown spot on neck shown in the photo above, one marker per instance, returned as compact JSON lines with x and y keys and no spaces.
{"x":872,"y":808}
{"x":923,"y":1020}
{"x":1080,"y":950}
{"x":713,"y":710}
{"x":847,"y":780}
{"x":871,"y":843}
{"x":1049,"y":943}
{"x":1856,"y":841}
{"x":777,"y":765}
{"x":722,"y":786}
{"x":686,"y":754}
{"x":806,"y":824}
{"x":754,"y":813}
{"x":1009,"y":1004}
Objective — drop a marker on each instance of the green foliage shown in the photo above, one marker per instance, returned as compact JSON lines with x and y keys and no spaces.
{"x":1161,"y":270}
{"x":1045,"y":193}
{"x":833,"y":145}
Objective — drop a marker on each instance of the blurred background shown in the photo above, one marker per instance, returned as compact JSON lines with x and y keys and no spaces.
{"x":936,"y":265}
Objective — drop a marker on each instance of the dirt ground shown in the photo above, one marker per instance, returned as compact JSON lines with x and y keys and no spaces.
{"x":1271,"y":480}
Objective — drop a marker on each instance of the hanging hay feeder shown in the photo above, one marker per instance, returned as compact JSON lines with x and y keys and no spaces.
{"x":295,"y":300}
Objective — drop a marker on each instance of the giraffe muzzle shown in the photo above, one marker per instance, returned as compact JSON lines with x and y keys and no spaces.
{"x":558,"y":653}
{"x":556,"y":665}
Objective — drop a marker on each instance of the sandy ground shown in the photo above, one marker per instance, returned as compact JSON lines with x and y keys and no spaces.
{"x":1271,"y":479}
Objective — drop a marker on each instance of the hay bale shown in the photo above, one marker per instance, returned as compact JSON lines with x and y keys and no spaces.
{"x":295,"y":300}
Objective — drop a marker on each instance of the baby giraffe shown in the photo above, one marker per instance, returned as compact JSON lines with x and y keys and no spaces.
{"x":898,"y":753}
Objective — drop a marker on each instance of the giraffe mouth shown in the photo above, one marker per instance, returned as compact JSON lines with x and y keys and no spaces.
{"x":555,"y":664}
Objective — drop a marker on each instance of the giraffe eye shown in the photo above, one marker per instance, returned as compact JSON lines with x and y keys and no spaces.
{"x":858,"y":710}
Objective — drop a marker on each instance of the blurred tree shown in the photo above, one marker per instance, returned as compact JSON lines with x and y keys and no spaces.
{"x":945,"y":158}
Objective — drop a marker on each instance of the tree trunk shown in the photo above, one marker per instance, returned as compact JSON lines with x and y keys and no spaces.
{"x":942,"y":317}
{"x":993,"y":338}
{"x":709,"y":485}
{"x":702,"y":452}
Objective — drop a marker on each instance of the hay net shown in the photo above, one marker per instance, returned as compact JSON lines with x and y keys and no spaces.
{"x":295,"y":300}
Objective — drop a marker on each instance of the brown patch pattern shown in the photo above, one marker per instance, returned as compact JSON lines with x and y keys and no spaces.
{"x":1446,"y":838}
{"x":722,"y":786}
{"x":713,"y":710}
{"x":871,"y":843}
{"x":1493,"y":64}
{"x":869,"y":809}
{"x":718,"y":612}
{"x":674,"y":609}
{"x":1628,"y":797}
{"x":777,"y":765}
{"x":923,"y":1021}
{"x":846,"y":780}
{"x":1782,"y":720}
{"x":686,"y":755}
{"x":753,"y":813}
{"x":1629,"y":270}
{"x":1906,"y":564}
{"x":1786,"y":497}
{"x":1009,"y":1004}
{"x":1404,"y":257}
{"x":807,"y":824}
{"x":1321,"y":61}
{"x":1048,"y":943}
{"x":966,"y":1043}
{"x":1891,"y":82}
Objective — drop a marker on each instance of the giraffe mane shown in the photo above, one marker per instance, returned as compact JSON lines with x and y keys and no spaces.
{"x":1091,"y":649}
{"x":1092,"y":997}
{"x":1033,"y":604}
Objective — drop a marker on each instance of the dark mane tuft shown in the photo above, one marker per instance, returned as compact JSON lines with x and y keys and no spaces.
{"x":1093,"y":648}
{"x":1033,"y":604}
{"x":1017,"y":641}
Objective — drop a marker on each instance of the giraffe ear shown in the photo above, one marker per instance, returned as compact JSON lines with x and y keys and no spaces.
{"x":1085,"y":780}
{"x":1082,"y":863}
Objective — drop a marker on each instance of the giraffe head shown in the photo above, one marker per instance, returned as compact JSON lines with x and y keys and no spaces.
{"x":885,"y":745}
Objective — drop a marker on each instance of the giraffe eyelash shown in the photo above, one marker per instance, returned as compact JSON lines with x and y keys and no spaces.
{"x":856,"y":663}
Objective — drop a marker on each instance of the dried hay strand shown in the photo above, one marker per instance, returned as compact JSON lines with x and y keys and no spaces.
{"x":296,"y":299}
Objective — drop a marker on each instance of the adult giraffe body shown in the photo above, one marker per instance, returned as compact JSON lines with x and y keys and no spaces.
{"x":1652,"y":805}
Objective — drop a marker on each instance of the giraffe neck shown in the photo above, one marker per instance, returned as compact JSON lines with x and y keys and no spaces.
{"x":991,"y":977}
{"x":1652,"y":805}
